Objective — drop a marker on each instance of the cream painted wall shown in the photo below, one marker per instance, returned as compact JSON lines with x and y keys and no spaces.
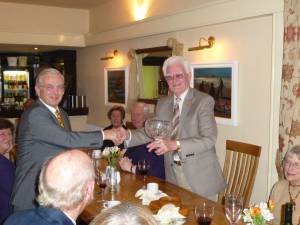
{"x":234,"y":41}
{"x":32,"y":24}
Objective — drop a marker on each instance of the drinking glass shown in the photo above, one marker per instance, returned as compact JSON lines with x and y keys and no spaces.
{"x":233,"y":208}
{"x":204,"y":214}
{"x":143,"y":168}
{"x":101,"y":182}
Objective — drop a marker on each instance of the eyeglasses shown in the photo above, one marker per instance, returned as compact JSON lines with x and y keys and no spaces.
{"x":52,"y":87}
{"x":288,"y":163}
{"x":178,"y":76}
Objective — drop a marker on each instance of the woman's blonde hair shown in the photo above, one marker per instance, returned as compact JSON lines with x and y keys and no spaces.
{"x":125,"y":214}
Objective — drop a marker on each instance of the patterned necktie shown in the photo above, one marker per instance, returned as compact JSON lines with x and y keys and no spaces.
{"x":175,"y":119}
{"x":59,"y":118}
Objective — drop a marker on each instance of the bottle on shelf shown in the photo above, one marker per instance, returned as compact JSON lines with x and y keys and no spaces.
{"x":288,"y":214}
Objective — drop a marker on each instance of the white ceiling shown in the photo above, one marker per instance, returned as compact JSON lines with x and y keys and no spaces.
{"x":78,"y":4}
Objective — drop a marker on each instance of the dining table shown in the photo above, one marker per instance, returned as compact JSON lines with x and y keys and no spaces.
{"x":130,"y":183}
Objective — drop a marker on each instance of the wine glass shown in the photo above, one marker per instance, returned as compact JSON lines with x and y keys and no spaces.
{"x":233,"y":208}
{"x":143,"y":168}
{"x":158,"y":128}
{"x":204,"y":214}
{"x":101,"y":182}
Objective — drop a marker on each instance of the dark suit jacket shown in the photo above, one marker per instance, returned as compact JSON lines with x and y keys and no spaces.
{"x":39,"y":216}
{"x":140,"y":152}
{"x":7,"y":173}
{"x":197,"y":133}
{"x":41,"y":137}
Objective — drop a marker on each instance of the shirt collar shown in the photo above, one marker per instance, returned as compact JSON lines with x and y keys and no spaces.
{"x":70,"y":218}
{"x":51,"y":108}
{"x":182,"y":96}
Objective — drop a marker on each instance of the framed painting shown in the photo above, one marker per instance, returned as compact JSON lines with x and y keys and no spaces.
{"x":116,"y":85}
{"x":220,"y":81}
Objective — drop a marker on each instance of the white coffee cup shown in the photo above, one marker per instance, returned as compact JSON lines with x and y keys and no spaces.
{"x":109,"y":204}
{"x":152,"y":187}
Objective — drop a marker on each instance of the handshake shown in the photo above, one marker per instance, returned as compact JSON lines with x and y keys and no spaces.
{"x":117,"y":135}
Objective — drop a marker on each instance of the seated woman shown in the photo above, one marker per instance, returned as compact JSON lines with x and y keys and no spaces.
{"x":7,"y":169}
{"x":116,"y":115}
{"x":288,"y":190}
{"x":125,"y":214}
{"x":128,"y":163}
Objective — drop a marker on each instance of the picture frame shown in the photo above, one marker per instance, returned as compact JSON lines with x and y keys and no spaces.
{"x":220,"y":80}
{"x":116,"y":85}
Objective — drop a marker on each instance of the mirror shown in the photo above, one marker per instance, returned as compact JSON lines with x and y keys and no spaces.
{"x":154,"y":83}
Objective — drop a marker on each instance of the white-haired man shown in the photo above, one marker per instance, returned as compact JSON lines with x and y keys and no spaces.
{"x":66,"y":186}
{"x":190,"y":156}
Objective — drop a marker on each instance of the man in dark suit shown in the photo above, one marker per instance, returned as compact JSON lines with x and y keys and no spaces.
{"x":190,"y":156}
{"x":7,"y":169}
{"x":66,"y":186}
{"x":44,"y":131}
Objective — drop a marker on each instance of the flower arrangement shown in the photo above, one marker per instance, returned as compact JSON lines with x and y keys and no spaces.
{"x":259,"y":214}
{"x":112,"y":155}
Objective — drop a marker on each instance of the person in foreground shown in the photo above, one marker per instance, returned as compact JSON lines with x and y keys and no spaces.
{"x":139,"y":114}
{"x":190,"y":156}
{"x":288,"y":189}
{"x":125,"y":214}
{"x":66,"y":186}
{"x":44,"y":131}
{"x":7,"y":169}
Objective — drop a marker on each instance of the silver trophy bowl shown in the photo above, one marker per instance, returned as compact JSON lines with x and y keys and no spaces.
{"x":158,"y":129}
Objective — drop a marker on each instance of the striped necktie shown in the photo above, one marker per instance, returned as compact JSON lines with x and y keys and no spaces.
{"x":59,"y":118}
{"x":175,"y":119}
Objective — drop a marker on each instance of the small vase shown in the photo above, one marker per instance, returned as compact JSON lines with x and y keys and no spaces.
{"x":112,"y":177}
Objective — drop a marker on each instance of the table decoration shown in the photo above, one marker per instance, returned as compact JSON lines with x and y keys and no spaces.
{"x":259,"y":214}
{"x":112,"y":155}
{"x":169,"y":214}
{"x":148,"y":196}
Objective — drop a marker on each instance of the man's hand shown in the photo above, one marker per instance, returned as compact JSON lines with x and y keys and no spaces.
{"x":161,"y":146}
{"x":117,"y":135}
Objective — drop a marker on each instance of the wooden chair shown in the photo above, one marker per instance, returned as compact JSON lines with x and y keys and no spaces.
{"x":240,"y":168}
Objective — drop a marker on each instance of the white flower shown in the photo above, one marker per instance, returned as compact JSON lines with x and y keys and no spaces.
{"x":247,"y":216}
{"x":106,"y":152}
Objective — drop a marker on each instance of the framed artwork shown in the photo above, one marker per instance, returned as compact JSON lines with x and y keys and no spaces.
{"x":116,"y":85}
{"x":220,"y":81}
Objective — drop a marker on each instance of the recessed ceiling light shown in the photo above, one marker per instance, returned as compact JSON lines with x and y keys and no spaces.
{"x":36,"y":48}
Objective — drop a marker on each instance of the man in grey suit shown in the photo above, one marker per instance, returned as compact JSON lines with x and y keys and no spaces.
{"x":45,"y":131}
{"x":190,"y":156}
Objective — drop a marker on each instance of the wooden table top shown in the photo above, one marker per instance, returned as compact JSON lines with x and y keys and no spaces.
{"x":131,"y":183}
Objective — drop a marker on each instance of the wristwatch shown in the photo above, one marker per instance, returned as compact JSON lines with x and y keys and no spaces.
{"x":178,"y":146}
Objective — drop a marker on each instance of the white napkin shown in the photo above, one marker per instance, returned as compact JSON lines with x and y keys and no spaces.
{"x":169,"y":214}
{"x":148,"y":196}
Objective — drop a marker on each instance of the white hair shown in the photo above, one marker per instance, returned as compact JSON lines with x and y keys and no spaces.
{"x":47,"y":71}
{"x":176,"y":60}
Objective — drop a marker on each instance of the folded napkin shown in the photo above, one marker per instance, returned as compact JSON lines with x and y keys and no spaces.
{"x":148,"y":196}
{"x":169,"y":214}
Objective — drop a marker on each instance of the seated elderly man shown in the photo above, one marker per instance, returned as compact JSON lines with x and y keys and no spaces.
{"x":66,"y":186}
{"x":7,"y":169}
{"x":139,"y":113}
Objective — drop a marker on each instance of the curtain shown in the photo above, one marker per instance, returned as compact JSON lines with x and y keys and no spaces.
{"x":136,"y":83}
{"x":289,"y":118}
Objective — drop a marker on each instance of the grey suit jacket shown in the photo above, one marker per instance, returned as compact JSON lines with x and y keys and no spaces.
{"x":41,"y":137}
{"x":197,"y":133}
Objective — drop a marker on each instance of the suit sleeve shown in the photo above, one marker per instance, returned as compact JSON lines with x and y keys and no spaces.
{"x":43,"y":128}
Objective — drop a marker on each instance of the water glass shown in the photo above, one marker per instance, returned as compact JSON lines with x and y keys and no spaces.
{"x":233,"y":208}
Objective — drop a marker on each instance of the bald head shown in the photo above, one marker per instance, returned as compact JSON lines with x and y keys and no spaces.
{"x":64,"y":178}
{"x":139,"y":112}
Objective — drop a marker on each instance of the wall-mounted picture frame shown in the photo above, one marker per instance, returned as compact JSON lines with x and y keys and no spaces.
{"x":220,"y":80}
{"x":116,"y":85}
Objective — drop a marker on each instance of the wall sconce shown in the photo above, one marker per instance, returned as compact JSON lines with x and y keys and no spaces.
{"x":115,"y":53}
{"x":210,"y":42}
